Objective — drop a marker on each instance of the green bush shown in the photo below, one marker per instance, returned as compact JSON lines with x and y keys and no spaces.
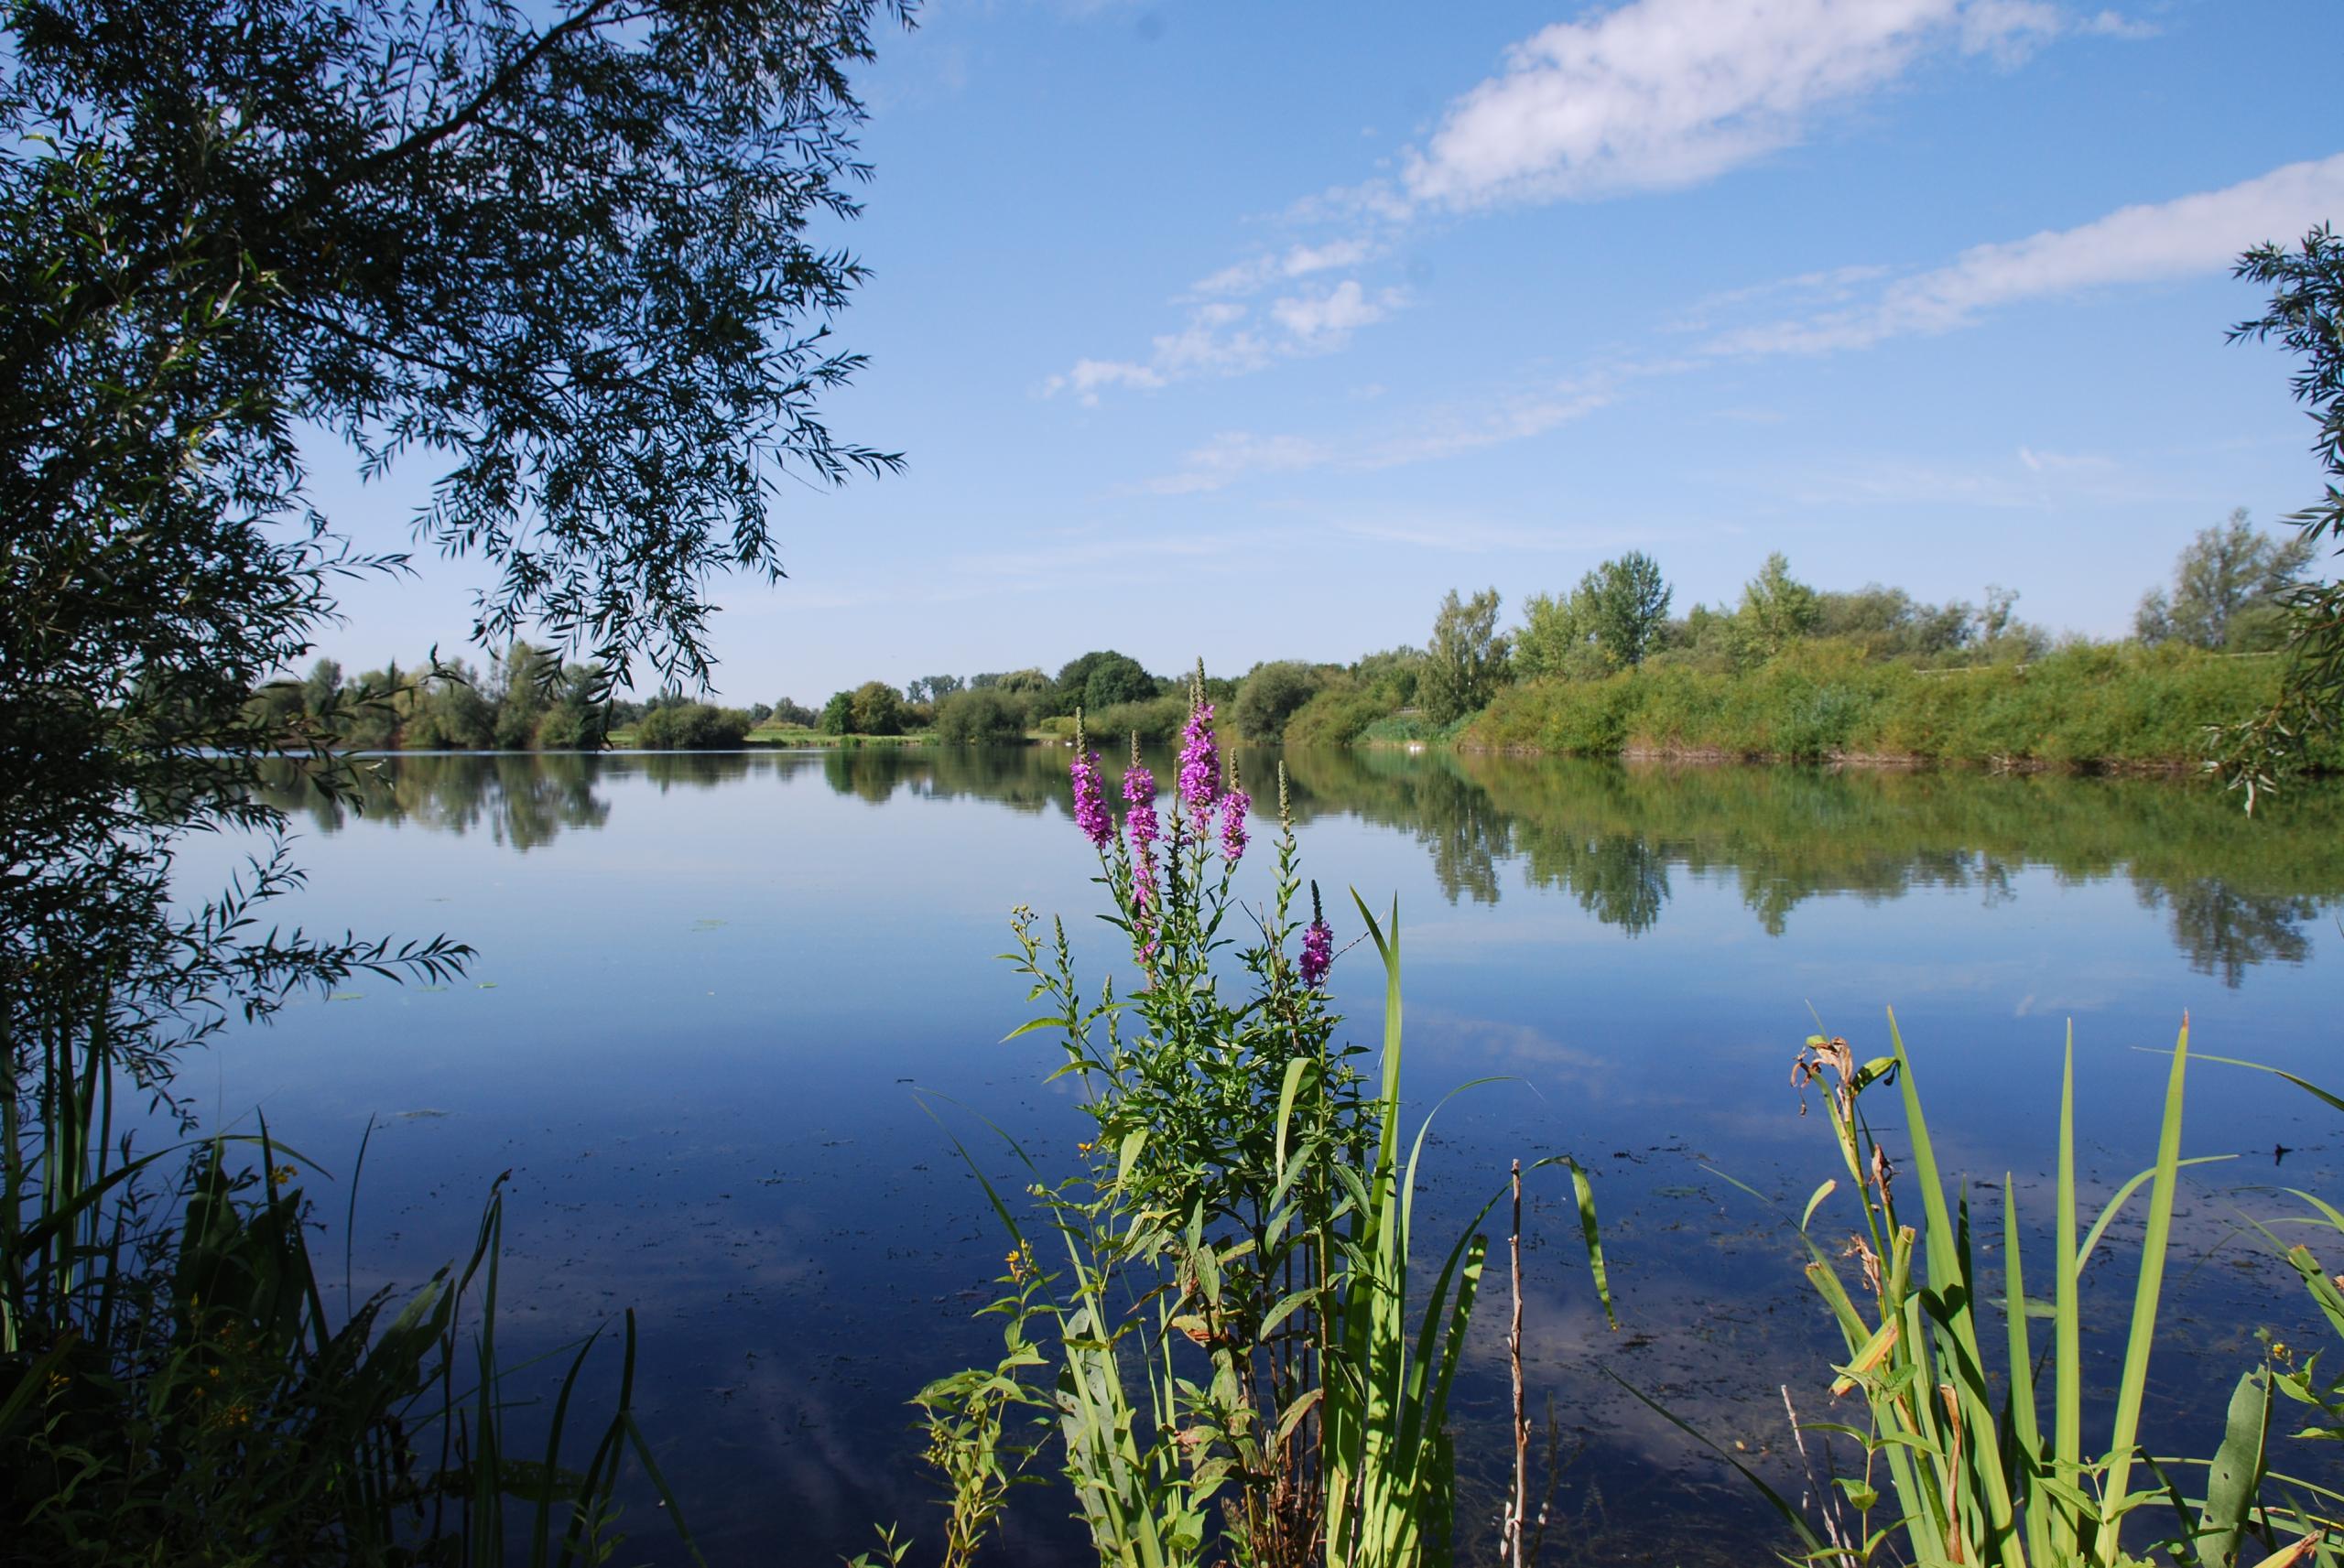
{"x":1334,"y":719}
{"x":1273,"y":694}
{"x":984,"y":717}
{"x":692,"y":727}
{"x":1156,"y":721}
{"x":877,"y":709}
{"x":563,"y":728}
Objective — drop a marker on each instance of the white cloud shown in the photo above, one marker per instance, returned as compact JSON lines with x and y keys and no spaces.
{"x":1828,"y":285}
{"x":2064,"y":462}
{"x":1513,"y":420}
{"x":1089,"y":375}
{"x":1242,"y":278}
{"x":1647,"y":95}
{"x":2187,"y":237}
{"x":1214,"y":341}
{"x":1218,"y":340}
{"x":1662,"y":93}
{"x":1299,"y":261}
{"x":1236,"y":455}
{"x":1316,"y":322}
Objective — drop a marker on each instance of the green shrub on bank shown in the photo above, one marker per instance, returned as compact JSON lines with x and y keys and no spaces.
{"x":692,"y":727}
{"x":984,"y":717}
{"x":1334,"y":718}
{"x":2090,"y":705}
{"x":1156,"y":721}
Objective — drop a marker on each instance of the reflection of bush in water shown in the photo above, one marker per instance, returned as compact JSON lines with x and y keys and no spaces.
{"x":1023,"y":778}
{"x":2237,"y":892}
{"x":691,"y":770}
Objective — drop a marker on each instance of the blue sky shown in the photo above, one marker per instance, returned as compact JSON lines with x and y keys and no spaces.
{"x":1244,"y":330}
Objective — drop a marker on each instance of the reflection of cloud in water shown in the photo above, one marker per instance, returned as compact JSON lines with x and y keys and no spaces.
{"x":1500,"y":1045}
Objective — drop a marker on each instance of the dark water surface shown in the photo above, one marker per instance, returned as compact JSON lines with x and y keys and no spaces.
{"x":708,"y":988}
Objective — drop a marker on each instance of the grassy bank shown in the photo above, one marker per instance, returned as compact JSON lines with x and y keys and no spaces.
{"x":2092,"y":707}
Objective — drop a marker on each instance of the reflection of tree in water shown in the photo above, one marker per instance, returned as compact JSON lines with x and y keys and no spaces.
{"x":1609,"y":835}
{"x":1618,"y":878}
{"x":1426,"y":795}
{"x":870,"y":775}
{"x":521,"y":801}
{"x":2239,"y":893}
{"x":2226,"y":931}
{"x":1024,"y":779}
{"x":690,"y":770}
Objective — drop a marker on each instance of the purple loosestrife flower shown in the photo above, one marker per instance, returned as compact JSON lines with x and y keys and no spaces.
{"x":1318,"y":952}
{"x":1090,"y":800}
{"x":1199,"y":762}
{"x":1233,"y":807}
{"x":1139,"y":793}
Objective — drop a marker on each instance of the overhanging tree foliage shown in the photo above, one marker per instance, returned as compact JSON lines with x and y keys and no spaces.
{"x":2306,"y":316}
{"x":569,"y":260}
{"x":572,"y":260}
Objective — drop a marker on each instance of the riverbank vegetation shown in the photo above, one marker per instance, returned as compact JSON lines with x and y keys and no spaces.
{"x":1790,"y":672}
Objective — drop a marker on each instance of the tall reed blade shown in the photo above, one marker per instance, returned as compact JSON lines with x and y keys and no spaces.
{"x":2116,"y":1497}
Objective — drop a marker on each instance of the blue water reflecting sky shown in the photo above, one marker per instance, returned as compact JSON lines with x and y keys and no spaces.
{"x":723,"y":1009}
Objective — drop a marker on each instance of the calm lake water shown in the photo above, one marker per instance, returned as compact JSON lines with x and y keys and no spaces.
{"x":721,"y":1003}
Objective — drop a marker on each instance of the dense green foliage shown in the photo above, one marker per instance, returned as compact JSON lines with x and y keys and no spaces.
{"x":984,"y":716}
{"x":2078,"y":707}
{"x":1335,"y":716}
{"x":526,"y":699}
{"x":1466,"y":662}
{"x":1611,"y":621}
{"x":2306,"y":315}
{"x":1097,"y":680}
{"x":1271,"y":695}
{"x":877,"y":708}
{"x":691,"y":726}
{"x":1152,"y":722}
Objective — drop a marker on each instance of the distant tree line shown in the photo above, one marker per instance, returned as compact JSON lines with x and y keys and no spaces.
{"x":525,"y":699}
{"x":2228,"y":593}
{"x":2230,"y":588}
